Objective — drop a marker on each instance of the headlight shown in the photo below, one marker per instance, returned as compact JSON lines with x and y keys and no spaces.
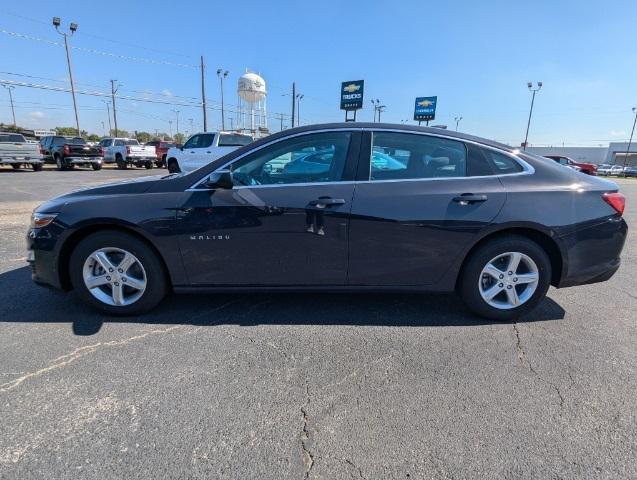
{"x":40,"y":220}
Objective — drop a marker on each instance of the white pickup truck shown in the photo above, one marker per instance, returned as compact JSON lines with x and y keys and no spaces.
{"x":16,"y":151}
{"x":202,"y":148}
{"x":127,"y":151}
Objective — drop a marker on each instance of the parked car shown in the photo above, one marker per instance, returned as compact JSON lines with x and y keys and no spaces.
{"x":630,"y":171}
{"x":16,"y":151}
{"x":617,"y":170}
{"x":161,"y":149}
{"x":128,"y":151}
{"x":202,"y":148}
{"x":452,"y":212}
{"x":584,"y":167}
{"x":604,"y":169}
{"x":69,"y":152}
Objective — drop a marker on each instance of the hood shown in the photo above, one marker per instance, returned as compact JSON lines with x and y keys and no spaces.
{"x":129,"y":186}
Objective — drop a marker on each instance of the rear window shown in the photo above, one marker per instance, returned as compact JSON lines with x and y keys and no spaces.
{"x":166,"y":145}
{"x":131,"y":142}
{"x":75,"y":141}
{"x":234,"y":140}
{"x":12,"y":137}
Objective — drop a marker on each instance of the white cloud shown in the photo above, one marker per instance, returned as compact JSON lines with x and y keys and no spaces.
{"x":37,"y":115}
{"x":617,"y":133}
{"x":166,"y":93}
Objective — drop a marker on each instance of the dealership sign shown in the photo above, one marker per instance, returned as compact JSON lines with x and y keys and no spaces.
{"x":425,"y":108}
{"x":352,"y":95}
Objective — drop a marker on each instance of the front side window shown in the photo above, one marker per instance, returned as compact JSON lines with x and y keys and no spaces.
{"x":57,"y":141}
{"x":205,"y":140}
{"x":403,"y":156}
{"x":312,"y":158}
{"x":193,"y":142}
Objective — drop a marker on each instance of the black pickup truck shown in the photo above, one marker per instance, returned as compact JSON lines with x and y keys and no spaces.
{"x":66,"y":152}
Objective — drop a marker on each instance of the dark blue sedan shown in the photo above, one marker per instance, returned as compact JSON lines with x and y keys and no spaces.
{"x":355,"y":207}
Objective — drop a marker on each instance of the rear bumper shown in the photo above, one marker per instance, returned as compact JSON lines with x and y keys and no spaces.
{"x":592,"y":254}
{"x":19,"y":159}
{"x":141,"y":159}
{"x":82,"y":160}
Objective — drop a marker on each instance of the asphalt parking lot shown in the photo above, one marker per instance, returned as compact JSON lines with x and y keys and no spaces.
{"x":327,"y":386}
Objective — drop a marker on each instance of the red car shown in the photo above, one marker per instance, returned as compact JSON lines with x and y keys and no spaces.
{"x":161,"y":149}
{"x":587,"y":168}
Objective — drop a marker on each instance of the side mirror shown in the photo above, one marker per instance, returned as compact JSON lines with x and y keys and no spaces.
{"x":222,"y":179}
{"x":181,"y":148}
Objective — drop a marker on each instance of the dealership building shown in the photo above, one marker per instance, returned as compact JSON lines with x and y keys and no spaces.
{"x":614,"y":154}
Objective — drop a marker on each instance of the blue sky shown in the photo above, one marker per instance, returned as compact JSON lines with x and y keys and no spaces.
{"x":476,"y":56}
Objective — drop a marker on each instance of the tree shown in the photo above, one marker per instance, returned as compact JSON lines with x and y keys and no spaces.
{"x":143,"y":137}
{"x":179,"y":138}
{"x":120,"y":133}
{"x":66,"y":131}
{"x":93,"y":138}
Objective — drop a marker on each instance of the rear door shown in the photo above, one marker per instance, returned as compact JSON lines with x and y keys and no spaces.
{"x":423,"y":200}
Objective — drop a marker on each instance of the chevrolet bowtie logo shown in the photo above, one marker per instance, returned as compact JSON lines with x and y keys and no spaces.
{"x":351,"y":88}
{"x":425,"y":103}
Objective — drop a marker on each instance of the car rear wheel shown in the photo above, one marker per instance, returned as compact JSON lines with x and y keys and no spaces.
{"x":117,"y":273}
{"x":121,"y":164}
{"x":36,"y":167}
{"x":16,"y":166}
{"x":505,"y":278}
{"x":96,"y":166}
{"x":148,"y":165}
{"x":59,"y":163}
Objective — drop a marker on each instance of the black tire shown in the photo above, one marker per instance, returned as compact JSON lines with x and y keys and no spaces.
{"x":121,"y":164}
{"x":16,"y":166}
{"x":468,"y":285}
{"x":163,"y":161}
{"x":173,"y":166}
{"x":156,"y":276}
{"x":36,"y":167}
{"x":60,"y":165}
{"x":96,"y":166}
{"x":148,"y":165}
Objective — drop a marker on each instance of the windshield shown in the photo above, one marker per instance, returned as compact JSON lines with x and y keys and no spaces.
{"x":12,"y":137}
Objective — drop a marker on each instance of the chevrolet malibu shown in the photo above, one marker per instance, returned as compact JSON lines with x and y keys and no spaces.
{"x":444,"y":211}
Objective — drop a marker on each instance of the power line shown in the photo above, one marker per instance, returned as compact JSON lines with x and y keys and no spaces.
{"x":98,"y":52}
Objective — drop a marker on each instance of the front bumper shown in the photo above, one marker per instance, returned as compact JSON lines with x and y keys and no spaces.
{"x":592,"y":254}
{"x":42,"y":255}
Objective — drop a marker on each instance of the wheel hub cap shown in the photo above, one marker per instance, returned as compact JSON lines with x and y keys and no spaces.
{"x":508,"y":280}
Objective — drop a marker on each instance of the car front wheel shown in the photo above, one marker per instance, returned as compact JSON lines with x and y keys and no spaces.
{"x":117,"y":273}
{"x":505,"y":278}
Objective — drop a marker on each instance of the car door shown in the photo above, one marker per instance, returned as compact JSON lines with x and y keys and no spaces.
{"x":189,"y":152}
{"x":273,"y":228}
{"x":422,"y":201}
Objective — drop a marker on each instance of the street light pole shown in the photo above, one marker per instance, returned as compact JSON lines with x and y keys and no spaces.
{"x":376,"y":103}
{"x":113,"y":92}
{"x":631,"y":136}
{"x":299,"y":97}
{"x":176,"y":112}
{"x":381,"y":108}
{"x":457,"y":119}
{"x":108,"y":112}
{"x":11,"y":87}
{"x":528,"y":125}
{"x":73,"y":29}
{"x":222,"y":74}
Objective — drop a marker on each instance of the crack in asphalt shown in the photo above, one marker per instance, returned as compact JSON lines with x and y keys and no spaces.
{"x":308,"y":456}
{"x":360,"y":471}
{"x":525,"y":362}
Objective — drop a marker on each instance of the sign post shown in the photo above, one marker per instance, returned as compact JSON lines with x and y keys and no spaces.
{"x":352,"y":97}
{"x":425,"y":109}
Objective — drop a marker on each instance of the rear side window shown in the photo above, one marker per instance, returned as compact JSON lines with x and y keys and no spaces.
{"x":119,"y":143}
{"x":403,"y":156}
{"x":501,"y":163}
{"x":233,"y":140}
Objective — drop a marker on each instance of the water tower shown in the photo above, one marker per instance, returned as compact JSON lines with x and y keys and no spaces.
{"x":252,"y":109}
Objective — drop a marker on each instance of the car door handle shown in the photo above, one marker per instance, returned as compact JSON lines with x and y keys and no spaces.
{"x":208,"y":152}
{"x":469,"y":198}
{"x":327,"y":202}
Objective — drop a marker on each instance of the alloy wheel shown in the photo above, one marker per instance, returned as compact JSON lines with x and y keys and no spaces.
{"x":508,"y":280}
{"x":114,"y":276}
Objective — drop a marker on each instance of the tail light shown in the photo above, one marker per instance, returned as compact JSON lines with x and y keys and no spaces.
{"x":615,"y":200}
{"x":42,"y":151}
{"x":127,"y":149}
{"x":67,"y":150}
{"x":102,"y":151}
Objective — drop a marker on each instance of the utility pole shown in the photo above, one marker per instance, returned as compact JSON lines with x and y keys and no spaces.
{"x":113,"y":91}
{"x":203,"y":97}
{"x":528,"y":125}
{"x":293,"y":102}
{"x":299,"y":97}
{"x":279,"y":116}
{"x":11,"y":87}
{"x":73,"y":29}
{"x":192,"y":125}
{"x":222,"y":74}
{"x":170,"y":127}
{"x":176,"y":112}
{"x":629,"y":141}
{"x":108,"y":112}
